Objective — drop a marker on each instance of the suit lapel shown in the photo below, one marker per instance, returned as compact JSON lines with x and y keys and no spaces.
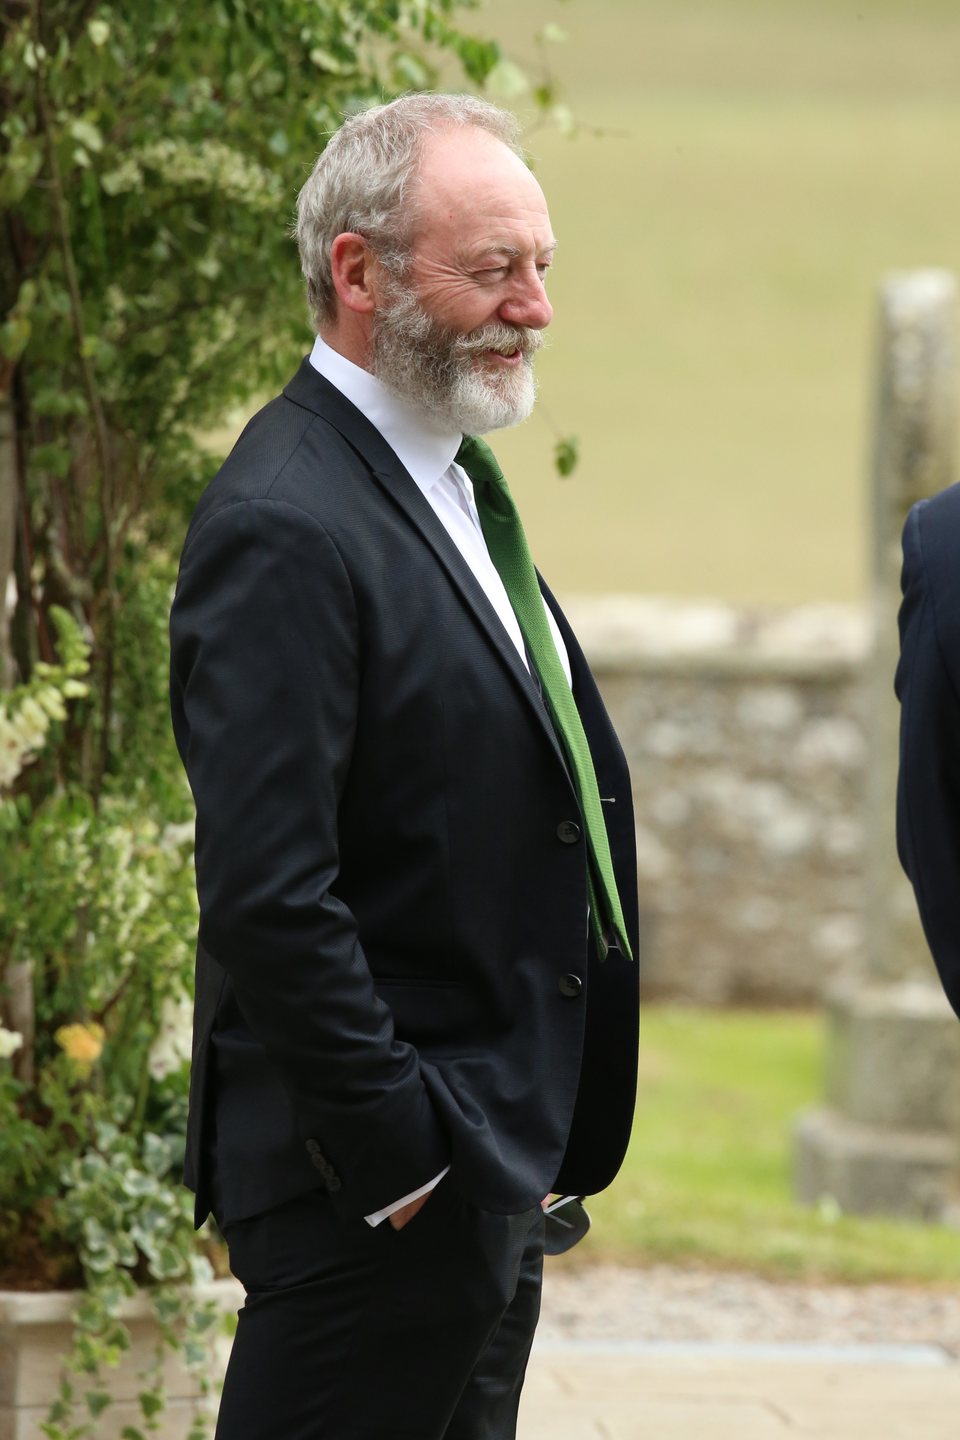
{"x":310,"y":389}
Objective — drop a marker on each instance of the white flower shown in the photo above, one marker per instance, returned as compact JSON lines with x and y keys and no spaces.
{"x":13,"y":751}
{"x":172,"y":1047}
{"x":125,"y":176}
{"x":175,"y":835}
{"x":50,"y":700}
{"x":32,"y":715}
{"x":10,"y":1041}
{"x":214,"y":165}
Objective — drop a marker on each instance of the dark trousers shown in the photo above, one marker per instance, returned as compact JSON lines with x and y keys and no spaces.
{"x":355,"y":1333}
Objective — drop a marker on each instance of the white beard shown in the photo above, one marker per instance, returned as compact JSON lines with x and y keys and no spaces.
{"x":436,"y":369}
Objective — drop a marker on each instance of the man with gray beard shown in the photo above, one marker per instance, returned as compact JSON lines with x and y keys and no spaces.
{"x":436,"y":368}
{"x":416,"y":1005}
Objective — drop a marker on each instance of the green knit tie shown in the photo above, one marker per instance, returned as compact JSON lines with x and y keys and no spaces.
{"x":510,"y":554}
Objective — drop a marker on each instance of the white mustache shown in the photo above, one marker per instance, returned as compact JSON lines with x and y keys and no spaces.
{"x":504,"y":338}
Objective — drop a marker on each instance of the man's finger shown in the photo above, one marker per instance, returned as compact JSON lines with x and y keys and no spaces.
{"x":405,"y":1214}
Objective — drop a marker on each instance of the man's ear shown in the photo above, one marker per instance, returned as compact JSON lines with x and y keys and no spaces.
{"x":353,"y":266}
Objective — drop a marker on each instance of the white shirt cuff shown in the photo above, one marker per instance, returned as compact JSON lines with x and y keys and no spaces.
{"x":379,"y":1215}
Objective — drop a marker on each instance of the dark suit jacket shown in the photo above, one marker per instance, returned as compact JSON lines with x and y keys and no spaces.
{"x":928,"y":684}
{"x":392,"y":896}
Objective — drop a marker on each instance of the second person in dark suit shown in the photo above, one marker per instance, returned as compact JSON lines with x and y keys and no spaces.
{"x":928,"y":685}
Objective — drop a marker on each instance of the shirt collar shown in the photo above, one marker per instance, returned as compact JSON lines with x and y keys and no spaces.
{"x":427,"y":453}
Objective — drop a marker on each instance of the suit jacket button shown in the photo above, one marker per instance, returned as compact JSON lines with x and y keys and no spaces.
{"x":568,"y":832}
{"x":570,"y":985}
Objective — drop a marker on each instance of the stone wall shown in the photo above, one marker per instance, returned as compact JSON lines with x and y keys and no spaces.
{"x":744,"y":732}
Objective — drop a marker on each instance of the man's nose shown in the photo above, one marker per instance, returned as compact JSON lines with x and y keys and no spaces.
{"x":528,"y":304}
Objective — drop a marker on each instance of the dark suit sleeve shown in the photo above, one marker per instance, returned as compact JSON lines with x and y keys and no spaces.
{"x":928,"y":791}
{"x":265,"y":650}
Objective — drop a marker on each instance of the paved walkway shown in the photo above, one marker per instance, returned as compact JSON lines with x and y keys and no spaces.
{"x":583,"y":1391}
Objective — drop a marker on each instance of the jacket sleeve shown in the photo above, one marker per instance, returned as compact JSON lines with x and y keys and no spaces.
{"x":265,"y":657}
{"x":928,"y":789}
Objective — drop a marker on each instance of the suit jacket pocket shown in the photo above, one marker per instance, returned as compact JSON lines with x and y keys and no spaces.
{"x":436,"y":1016}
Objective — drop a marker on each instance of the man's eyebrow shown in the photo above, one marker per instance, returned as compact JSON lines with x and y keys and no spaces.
{"x":498,"y":248}
{"x":511,"y":252}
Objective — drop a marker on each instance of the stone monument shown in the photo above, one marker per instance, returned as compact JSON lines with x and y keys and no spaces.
{"x":887,"y":1140}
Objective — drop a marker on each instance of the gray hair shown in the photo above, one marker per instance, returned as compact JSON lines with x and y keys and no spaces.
{"x":362,"y":182}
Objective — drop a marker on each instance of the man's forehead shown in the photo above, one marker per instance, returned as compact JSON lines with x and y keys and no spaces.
{"x":470,"y":167}
{"x":476,"y":198}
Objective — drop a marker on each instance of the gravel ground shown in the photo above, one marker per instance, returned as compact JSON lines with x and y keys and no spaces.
{"x":607,"y":1302}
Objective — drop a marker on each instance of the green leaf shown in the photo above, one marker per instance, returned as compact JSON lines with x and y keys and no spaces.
{"x":136,"y":1184}
{"x":21,"y":165}
{"x":53,"y":400}
{"x":118,"y":1338}
{"x":507,"y":80}
{"x":562,"y":116}
{"x":324,"y":60}
{"x":53,"y":458}
{"x":157,"y":1154}
{"x":168,"y":1263}
{"x":203,"y":1320}
{"x":15,"y":336}
{"x":9,"y":822}
{"x":410,"y":72}
{"x":566,"y":455}
{"x":478,"y":57}
{"x":150,"y":1403}
{"x":58,"y":299}
{"x":17,"y":328}
{"x":97,"y":1401}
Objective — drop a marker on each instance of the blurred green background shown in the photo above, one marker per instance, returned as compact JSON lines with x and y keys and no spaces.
{"x":708,"y":1176}
{"x":760,"y":165}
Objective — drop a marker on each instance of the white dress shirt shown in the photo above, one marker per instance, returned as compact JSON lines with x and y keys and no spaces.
{"x":428,"y":455}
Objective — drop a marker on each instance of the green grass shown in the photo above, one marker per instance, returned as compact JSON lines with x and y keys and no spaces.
{"x":707,"y":1180}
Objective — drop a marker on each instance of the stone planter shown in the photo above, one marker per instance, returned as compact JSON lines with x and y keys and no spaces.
{"x":35,"y":1332}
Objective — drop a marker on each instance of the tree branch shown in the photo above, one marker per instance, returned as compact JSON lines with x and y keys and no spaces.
{"x":22,"y":1016}
{"x":101,"y":434}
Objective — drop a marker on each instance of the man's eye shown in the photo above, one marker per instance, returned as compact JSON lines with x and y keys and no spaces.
{"x":493,"y":272}
{"x":542,"y":267}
